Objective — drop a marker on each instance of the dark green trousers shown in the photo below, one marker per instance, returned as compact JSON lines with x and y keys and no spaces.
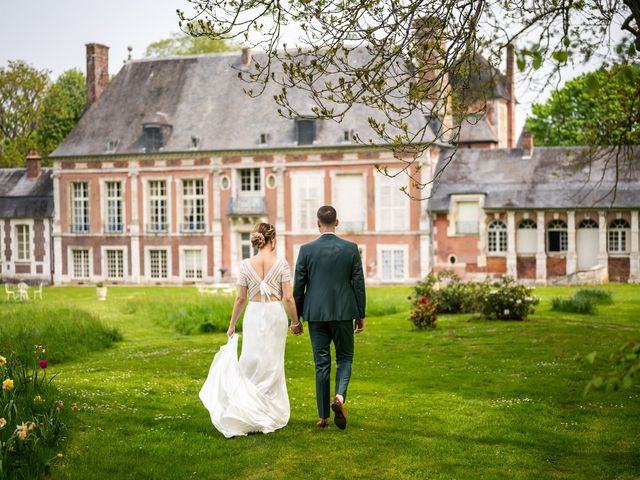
{"x":321,"y":335}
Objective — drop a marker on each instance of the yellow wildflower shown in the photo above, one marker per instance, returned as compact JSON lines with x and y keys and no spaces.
{"x":7,"y":384}
{"x":60,"y":455}
{"x":22,"y":434}
{"x":3,"y":422}
{"x":3,"y":361}
{"x":31,"y":426}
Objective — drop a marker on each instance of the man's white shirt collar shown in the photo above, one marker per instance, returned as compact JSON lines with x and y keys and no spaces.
{"x":327,"y":233}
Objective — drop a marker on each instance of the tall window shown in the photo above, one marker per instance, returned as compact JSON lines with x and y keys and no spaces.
{"x":193,"y":205}
{"x":618,"y":234}
{"x":115,"y":264}
{"x":527,"y":237}
{"x":250,"y":180}
{"x":392,"y":204}
{"x":193,"y":263}
{"x":80,"y":201}
{"x":497,"y":237}
{"x":246,"y":248}
{"x":152,"y":138}
{"x":392,"y":264}
{"x":350,"y":201}
{"x":158,"y":217}
{"x":557,"y":237}
{"x":307,"y":197}
{"x":467,"y":218}
{"x":24,"y":242}
{"x":80,"y":263}
{"x":158,"y":263}
{"x":114,"y":207}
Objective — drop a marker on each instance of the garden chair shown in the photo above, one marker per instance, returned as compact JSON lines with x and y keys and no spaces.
{"x":9,"y":292}
{"x":38,"y":292}
{"x":23,"y":291}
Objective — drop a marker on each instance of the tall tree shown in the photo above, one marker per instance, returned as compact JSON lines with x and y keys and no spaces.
{"x":22,"y":90}
{"x":62,"y":106}
{"x":180,"y":44}
{"x":600,"y":107}
{"x":413,"y":50}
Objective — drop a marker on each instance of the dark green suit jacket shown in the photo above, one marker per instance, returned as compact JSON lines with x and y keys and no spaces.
{"x":329,"y":282}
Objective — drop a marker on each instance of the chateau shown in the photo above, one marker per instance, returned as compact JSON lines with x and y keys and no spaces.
{"x":172,"y":164}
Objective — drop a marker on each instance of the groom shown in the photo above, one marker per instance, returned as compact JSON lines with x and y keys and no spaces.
{"x":329,"y":294}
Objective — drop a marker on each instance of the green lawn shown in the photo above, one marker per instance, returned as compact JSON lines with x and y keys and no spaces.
{"x":471,"y":400}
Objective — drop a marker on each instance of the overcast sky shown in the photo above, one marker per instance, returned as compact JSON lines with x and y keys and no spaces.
{"x":51,"y":34}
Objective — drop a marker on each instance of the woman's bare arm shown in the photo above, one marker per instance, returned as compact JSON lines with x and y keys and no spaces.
{"x":238,"y":305}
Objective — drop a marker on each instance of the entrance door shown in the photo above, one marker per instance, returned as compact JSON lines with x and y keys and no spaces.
{"x":587,"y":244}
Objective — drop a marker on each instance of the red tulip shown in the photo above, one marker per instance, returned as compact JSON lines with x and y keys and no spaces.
{"x":43,"y":364}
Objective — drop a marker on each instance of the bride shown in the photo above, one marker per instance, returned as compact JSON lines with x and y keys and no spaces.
{"x":250,"y":394}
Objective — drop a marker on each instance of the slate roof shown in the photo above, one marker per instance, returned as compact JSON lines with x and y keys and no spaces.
{"x":485,"y":82}
{"x":476,"y":131}
{"x":23,"y":197}
{"x":552,"y":178}
{"x":201,"y":96}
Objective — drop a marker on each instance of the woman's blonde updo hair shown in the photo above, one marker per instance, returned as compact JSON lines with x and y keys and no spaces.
{"x":262,"y":235}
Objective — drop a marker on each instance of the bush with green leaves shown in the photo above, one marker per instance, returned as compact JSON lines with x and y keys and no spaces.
{"x":423,"y":314}
{"x":446,"y":291}
{"x":33,"y":419}
{"x":506,"y":300}
{"x":597,"y":296}
{"x":582,"y":305}
{"x":69,"y":332}
{"x":625,"y":370}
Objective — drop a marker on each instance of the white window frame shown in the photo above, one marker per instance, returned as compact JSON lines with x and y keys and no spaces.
{"x":393,"y":247}
{"x":334,"y":185}
{"x":295,"y":177}
{"x":497,"y":238}
{"x":183,"y":262}
{"x":26,"y":250}
{"x":619,"y":232}
{"x":75,"y":227}
{"x":105,"y":261}
{"x":252,"y":181}
{"x":147,"y":203}
{"x":400,"y":212}
{"x":199,"y":227}
{"x":104,"y":189}
{"x":452,"y":216}
{"x":549,"y":229}
{"x":71,"y":262}
{"x":147,"y":262}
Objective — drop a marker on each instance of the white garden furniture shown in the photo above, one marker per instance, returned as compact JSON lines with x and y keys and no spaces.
{"x":38,"y":292}
{"x":23,"y":291}
{"x":9,"y":292}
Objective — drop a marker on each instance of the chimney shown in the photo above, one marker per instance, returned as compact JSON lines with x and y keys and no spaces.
{"x":246,"y":56}
{"x":97,"y":71}
{"x":34,"y":164}
{"x":511,"y":105}
{"x":526,"y":139}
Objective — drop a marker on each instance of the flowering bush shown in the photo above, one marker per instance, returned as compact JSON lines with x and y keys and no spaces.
{"x":31,"y":418}
{"x":423,"y":313}
{"x":506,"y":300}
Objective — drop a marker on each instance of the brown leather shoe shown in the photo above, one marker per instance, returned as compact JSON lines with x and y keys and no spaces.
{"x":323,"y":423}
{"x":339,"y":417}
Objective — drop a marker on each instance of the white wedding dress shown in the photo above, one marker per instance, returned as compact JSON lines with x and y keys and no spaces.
{"x":250,"y":394}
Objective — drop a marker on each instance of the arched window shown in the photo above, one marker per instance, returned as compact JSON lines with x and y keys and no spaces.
{"x":527,"y":237}
{"x":618,"y":235}
{"x":497,"y":237}
{"x":588,"y":223}
{"x":557,"y":238}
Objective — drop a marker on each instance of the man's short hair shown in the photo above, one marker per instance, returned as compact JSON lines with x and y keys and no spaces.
{"x":327,"y":215}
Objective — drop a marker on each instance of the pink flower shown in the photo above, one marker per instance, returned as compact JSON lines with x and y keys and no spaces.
{"x":423,"y":300}
{"x":43,"y":363}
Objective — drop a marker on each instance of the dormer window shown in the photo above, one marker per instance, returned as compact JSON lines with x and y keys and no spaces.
{"x":195,"y":142}
{"x":305,"y":131}
{"x":156,"y":130}
{"x":346,"y":136}
{"x":264,"y":138}
{"x":112,"y":145}
{"x":152,"y":138}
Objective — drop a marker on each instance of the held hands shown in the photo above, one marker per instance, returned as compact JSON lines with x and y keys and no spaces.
{"x":296,"y":328}
{"x":359,"y":327}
